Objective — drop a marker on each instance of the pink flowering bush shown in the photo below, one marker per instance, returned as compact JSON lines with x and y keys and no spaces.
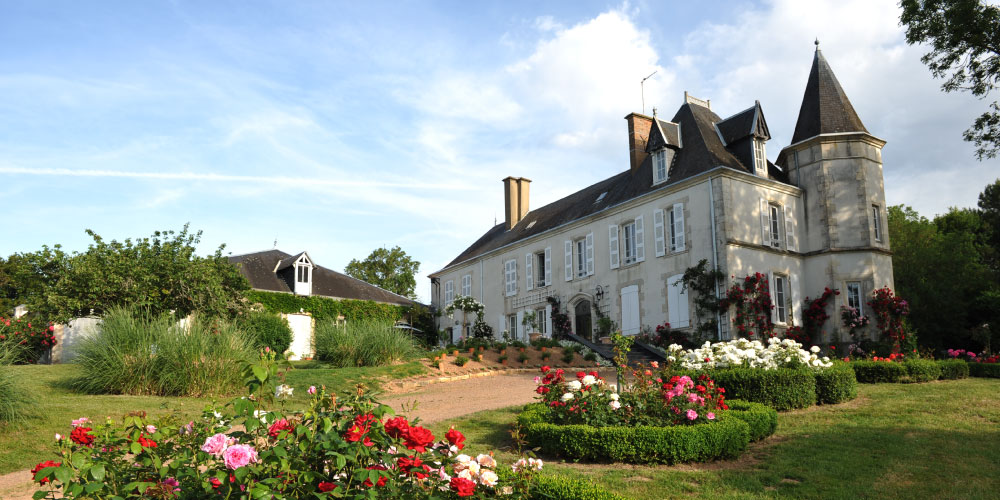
{"x":29,"y":339}
{"x":254,"y":447}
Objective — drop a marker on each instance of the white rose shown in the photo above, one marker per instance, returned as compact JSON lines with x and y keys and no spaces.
{"x":614,"y":396}
{"x":814,"y":349}
{"x":574,"y":385}
{"x":488,"y":478}
{"x":486,"y":460}
{"x":589,"y":380}
{"x":568,"y":396}
{"x":615,"y":405}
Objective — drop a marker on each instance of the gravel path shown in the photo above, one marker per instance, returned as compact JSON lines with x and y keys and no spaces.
{"x":435,"y":402}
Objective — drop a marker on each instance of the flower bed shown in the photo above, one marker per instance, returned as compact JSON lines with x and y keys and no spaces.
{"x":836,"y":384}
{"x":727,"y":437}
{"x":254,"y":448}
{"x":778,"y":353}
{"x":952,"y":369}
{"x":780,"y":388}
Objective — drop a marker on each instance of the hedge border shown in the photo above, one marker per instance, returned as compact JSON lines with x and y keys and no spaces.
{"x":762,"y":419}
{"x":565,"y":488}
{"x":728,"y":437}
{"x":836,"y":384}
{"x":781,"y":388}
{"x":953,"y":369}
{"x":323,"y":308}
{"x":986,"y":370}
{"x":878,"y":372}
{"x":921,"y":370}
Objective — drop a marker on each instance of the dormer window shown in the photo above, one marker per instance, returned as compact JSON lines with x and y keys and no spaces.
{"x":759,"y":157}
{"x":659,"y":166}
{"x":303,"y":275}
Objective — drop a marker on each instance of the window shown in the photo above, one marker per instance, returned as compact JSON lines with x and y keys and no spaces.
{"x":541,"y":322}
{"x":581,"y":258}
{"x":510,"y":277}
{"x":724,"y":326}
{"x":677,"y":302}
{"x":660,"y":166}
{"x":467,"y":285}
{"x":677,"y":228}
{"x":854,"y":296}
{"x":630,"y":310}
{"x":773,"y":225}
{"x":449,"y":292}
{"x":877,"y":223}
{"x":583,"y":251}
{"x":780,"y":308}
{"x":759,"y":157}
{"x":512,"y":326}
{"x":542,"y":269}
{"x":628,"y":231}
{"x":303,"y":274}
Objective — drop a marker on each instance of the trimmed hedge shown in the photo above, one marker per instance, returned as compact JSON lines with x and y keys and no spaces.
{"x":564,"y":488}
{"x":725,"y":438}
{"x":877,"y":372}
{"x":987,"y":370}
{"x":921,"y":370}
{"x":762,"y":419}
{"x":836,"y":384}
{"x":781,"y":389}
{"x":952,"y":369}
{"x":323,"y":308}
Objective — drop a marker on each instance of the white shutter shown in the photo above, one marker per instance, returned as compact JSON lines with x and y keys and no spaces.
{"x":548,"y":320}
{"x":501,"y":326}
{"x":764,"y":226}
{"x":793,"y":296}
{"x":548,"y":266}
{"x":520,"y":325}
{"x":630,"y":310}
{"x":660,"y":243}
{"x":528,"y":279}
{"x":569,"y":260}
{"x":677,"y":303}
{"x":589,"y":249}
{"x":789,"y":230}
{"x":513,"y":272}
{"x":774,"y":297}
{"x":640,"y":241}
{"x":679,"y":242}
{"x":613,"y":245}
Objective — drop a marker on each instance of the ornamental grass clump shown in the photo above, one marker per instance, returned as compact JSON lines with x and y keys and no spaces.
{"x":137,"y":352}
{"x":363,"y":343}
{"x":255,"y":447}
{"x":14,"y":400}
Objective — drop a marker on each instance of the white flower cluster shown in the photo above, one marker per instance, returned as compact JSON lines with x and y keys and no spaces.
{"x":475,"y":469}
{"x":779,"y":353}
{"x":584,"y":350}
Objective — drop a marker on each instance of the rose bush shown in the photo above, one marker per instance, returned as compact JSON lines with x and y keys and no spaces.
{"x":28,"y":339}
{"x":254,"y":447}
{"x":779,"y":353}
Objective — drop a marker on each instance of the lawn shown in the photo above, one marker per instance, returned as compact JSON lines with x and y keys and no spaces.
{"x":24,"y":444}
{"x":933,"y":440}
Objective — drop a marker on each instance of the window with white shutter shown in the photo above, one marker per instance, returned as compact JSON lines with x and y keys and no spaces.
{"x":467,"y":285}
{"x":613,"y":245}
{"x":590,"y":254}
{"x":449,"y":292}
{"x":628,"y":238}
{"x":510,"y":277}
{"x":660,"y":242}
{"x":547,"y":263}
{"x":581,"y":257}
{"x":677,"y":302}
{"x":780,"y":299}
{"x":765,"y":220}
{"x":789,"y":229}
{"x":677,"y":243}
{"x":568,"y":262}
{"x":774,"y":224}
{"x":630,"y":310}
{"x":640,"y":240}
{"x":529,"y":282}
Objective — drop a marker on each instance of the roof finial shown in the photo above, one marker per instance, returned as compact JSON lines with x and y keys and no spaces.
{"x":654,"y":111}
{"x":817,"y":43}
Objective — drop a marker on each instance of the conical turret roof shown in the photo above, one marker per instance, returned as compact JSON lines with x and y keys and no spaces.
{"x":825,"y":107}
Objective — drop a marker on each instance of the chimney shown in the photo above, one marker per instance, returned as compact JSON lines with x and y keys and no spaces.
{"x":515,"y":190}
{"x":638,"y":135}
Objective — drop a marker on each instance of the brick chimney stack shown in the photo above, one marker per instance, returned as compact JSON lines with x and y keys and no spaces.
{"x":638,"y":135}
{"x":515,"y":190}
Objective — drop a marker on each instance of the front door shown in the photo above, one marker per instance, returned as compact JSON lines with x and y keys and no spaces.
{"x":582,"y":320}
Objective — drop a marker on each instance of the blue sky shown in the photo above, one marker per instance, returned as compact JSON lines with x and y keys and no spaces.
{"x":339,"y":127}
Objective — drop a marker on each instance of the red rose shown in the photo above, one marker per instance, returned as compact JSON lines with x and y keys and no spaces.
{"x":146,"y":442}
{"x":397,"y":427}
{"x":82,"y":435}
{"x":326,"y":486}
{"x":47,"y":463}
{"x":418,"y":438}
{"x":581,"y":374}
{"x":357,"y":433}
{"x":216,"y":484}
{"x":278,"y":426}
{"x":463,"y":487}
{"x":546,"y":368}
{"x":455,"y":438}
{"x":381,"y":480}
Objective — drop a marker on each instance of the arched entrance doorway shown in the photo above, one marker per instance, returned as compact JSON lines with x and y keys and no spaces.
{"x":584,"y":328}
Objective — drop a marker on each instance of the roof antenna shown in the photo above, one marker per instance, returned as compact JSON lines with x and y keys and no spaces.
{"x":275,"y":242}
{"x":642,"y":89}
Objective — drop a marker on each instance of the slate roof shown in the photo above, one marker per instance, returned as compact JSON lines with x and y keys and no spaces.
{"x":259,"y":269}
{"x":701,"y":150}
{"x":748,"y":122}
{"x":825,"y":107}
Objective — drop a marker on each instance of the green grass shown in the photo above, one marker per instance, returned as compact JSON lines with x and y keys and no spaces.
{"x":363,"y":343}
{"x":932,"y":440}
{"x":25,"y":443}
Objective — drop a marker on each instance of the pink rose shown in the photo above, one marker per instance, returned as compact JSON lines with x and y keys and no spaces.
{"x":710,"y":416}
{"x":215,"y":445}
{"x":239,"y":455}
{"x":654,"y":364}
{"x":691,"y":414}
{"x":81,"y":421}
{"x":311,"y":390}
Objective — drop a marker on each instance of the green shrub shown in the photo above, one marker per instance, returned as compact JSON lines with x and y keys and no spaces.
{"x":727,"y":437}
{"x":590,"y":356}
{"x":268,"y":330}
{"x":921,"y":370}
{"x":878,"y":372}
{"x":564,"y":488}
{"x":836,"y":384}
{"x":762,"y":419}
{"x":523,"y":358}
{"x":136,"y":352}
{"x":363,"y":343}
{"x":986,"y":370}
{"x":952,"y":369}
{"x":780,"y":388}
{"x":461,"y":360}
{"x":14,"y":400}
{"x":568,"y":357}
{"x":325,"y":308}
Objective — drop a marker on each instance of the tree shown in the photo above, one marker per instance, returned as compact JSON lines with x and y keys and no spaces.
{"x":965,"y":49}
{"x":989,"y":211}
{"x":26,"y":278}
{"x":392,"y":270}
